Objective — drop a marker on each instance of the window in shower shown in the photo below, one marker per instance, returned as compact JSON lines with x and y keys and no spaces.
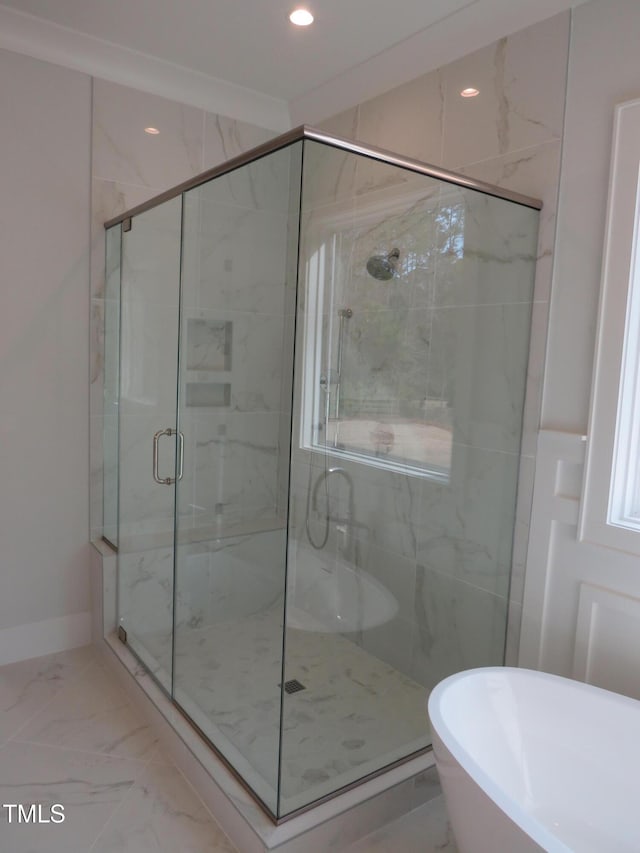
{"x":378,"y":388}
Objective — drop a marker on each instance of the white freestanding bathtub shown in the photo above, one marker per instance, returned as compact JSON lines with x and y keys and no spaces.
{"x":530,"y":761}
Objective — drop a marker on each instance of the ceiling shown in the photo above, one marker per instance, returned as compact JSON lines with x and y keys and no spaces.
{"x":251,"y":43}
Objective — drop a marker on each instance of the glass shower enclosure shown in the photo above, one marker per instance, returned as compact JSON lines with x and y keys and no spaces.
{"x":315,"y":368}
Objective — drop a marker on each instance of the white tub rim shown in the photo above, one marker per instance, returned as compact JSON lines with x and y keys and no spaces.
{"x":534,"y":828}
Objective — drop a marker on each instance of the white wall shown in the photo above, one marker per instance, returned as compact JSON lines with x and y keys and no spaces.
{"x":44,"y":304}
{"x":579,"y":594}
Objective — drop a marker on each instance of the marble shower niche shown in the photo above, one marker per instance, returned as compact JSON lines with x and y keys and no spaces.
{"x":315,"y":370}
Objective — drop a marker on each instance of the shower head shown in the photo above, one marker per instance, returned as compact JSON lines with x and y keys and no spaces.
{"x":383,"y":267}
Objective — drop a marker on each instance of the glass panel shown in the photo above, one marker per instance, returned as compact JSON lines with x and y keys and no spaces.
{"x":236,"y":362}
{"x":148,"y":381}
{"x":111,"y":384}
{"x":411,"y":349}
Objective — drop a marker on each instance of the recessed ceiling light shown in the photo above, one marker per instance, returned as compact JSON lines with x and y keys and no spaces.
{"x":153,"y":131}
{"x":301,"y":17}
{"x":470,"y":92}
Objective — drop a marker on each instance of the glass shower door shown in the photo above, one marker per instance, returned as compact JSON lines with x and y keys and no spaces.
{"x":149,"y":307}
{"x":236,"y":362}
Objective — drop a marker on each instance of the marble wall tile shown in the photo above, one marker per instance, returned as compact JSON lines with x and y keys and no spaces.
{"x":145,"y":590}
{"x":225,"y":138}
{"x":329,"y":173}
{"x":90,"y":787}
{"x":231,"y":578}
{"x":262,"y":184}
{"x":487,"y":254}
{"x":343,"y":124}
{"x":215,"y":464}
{"x":257,"y":366}
{"x":109,"y":199}
{"x":520,"y":103}
{"x":236,"y":464}
{"x":396,"y":574}
{"x":384,"y":517}
{"x":242,"y":260}
{"x":534,"y":172}
{"x":458,"y":626}
{"x":148,"y":346}
{"x":377,"y":182}
{"x":483,"y":371}
{"x":392,"y":643}
{"x":257,"y":438}
{"x":467,"y":528}
{"x":407,"y":119}
{"x":123,"y":152}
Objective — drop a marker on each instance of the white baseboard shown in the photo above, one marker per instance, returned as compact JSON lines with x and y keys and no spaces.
{"x":44,"y":638}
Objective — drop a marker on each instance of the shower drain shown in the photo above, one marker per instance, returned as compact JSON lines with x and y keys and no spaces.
{"x":293,"y":686}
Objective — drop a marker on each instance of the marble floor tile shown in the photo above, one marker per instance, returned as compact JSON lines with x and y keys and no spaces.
{"x":92,"y":714}
{"x":119,"y":790}
{"x":424,"y":830}
{"x":88,"y":786}
{"x":27,"y":686}
{"x":162,"y":814}
{"x":132,"y":800}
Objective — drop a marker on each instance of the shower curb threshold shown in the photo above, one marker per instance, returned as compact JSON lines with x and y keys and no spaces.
{"x":330,"y":826}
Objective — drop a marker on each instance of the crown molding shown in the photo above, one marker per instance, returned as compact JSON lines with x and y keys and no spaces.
{"x":33,"y":36}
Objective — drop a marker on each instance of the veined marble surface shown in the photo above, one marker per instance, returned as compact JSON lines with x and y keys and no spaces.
{"x":129,"y":803}
{"x":424,"y":830}
{"x":355,"y":715}
{"x":69,"y":735}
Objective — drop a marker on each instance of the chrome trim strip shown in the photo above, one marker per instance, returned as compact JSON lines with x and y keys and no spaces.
{"x":311,"y":133}
{"x":241,"y":160}
{"x":418,"y":166}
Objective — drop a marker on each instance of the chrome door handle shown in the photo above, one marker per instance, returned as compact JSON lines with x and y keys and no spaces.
{"x":167,"y":481}
{"x":181,"y":455}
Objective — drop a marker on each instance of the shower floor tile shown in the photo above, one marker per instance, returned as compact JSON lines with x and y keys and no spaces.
{"x":355,"y":714}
